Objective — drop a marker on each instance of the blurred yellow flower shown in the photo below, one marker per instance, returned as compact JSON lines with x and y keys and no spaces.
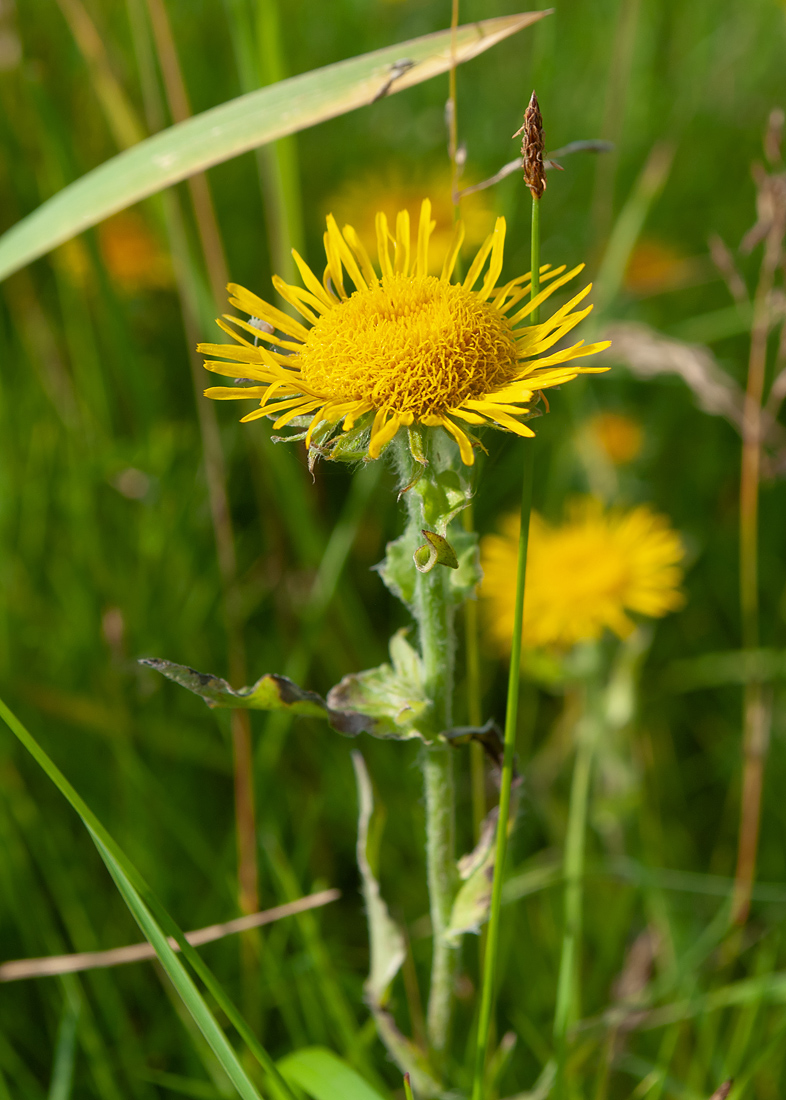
{"x":359,"y":201}
{"x":618,"y":436}
{"x":583,"y":576}
{"x":132,"y":254}
{"x":655,"y":267}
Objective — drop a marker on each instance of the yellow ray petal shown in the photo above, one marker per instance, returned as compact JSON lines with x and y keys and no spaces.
{"x":513,"y":425}
{"x":257,"y":414}
{"x":237,"y":370}
{"x":366,"y":266}
{"x":521,"y":282}
{"x":334,"y":271}
{"x":256,"y":307}
{"x":383,"y":243}
{"x":425,"y":228}
{"x":345,"y":252}
{"x":312,"y":283}
{"x":464,"y":414}
{"x":477,"y":264}
{"x":526,"y":310}
{"x":546,"y":273}
{"x":360,"y":409}
{"x":239,"y":352}
{"x":455,"y":247}
{"x":299,"y":410}
{"x":549,"y":341}
{"x":402,"y":242}
{"x":300,"y":299}
{"x":228,"y":320}
{"x":465,"y":447}
{"x":315,"y":420}
{"x":495,"y":264}
{"x":228,"y":393}
{"x":382,"y":435}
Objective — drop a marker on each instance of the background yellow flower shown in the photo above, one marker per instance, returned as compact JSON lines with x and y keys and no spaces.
{"x":619,"y":437}
{"x":583,"y":576}
{"x":360,"y":198}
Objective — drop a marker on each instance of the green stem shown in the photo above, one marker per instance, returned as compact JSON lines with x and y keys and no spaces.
{"x":535,"y":258}
{"x":511,"y":720}
{"x":437,"y":763}
{"x":434,"y":614}
{"x":474,"y":711}
{"x":567,"y":1008}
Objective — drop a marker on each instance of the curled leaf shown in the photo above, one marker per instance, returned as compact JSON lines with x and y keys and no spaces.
{"x":435,"y":551}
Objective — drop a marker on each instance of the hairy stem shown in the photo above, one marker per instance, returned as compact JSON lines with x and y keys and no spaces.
{"x":434,"y":613}
{"x":437,"y":763}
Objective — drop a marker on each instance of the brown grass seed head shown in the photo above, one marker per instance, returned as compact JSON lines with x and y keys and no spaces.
{"x":532,"y":146}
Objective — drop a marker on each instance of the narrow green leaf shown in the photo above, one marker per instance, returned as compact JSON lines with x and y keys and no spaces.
{"x":241,"y":124}
{"x":62,"y":1080}
{"x":189,"y":994}
{"x":324,"y":1076}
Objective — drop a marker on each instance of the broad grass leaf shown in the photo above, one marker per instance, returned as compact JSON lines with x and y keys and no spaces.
{"x":324,"y":1076}
{"x":241,"y":124}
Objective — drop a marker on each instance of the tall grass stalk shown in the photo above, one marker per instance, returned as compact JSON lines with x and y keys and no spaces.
{"x":568,"y":1000}
{"x":511,"y":721}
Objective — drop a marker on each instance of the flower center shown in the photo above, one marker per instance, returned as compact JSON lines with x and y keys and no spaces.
{"x":411,"y":344}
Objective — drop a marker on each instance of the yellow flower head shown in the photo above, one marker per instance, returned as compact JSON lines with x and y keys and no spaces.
{"x":583,"y":576}
{"x":405,"y":346}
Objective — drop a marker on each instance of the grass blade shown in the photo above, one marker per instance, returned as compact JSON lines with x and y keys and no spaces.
{"x":153,"y":909}
{"x":180,"y":979}
{"x":241,"y":124}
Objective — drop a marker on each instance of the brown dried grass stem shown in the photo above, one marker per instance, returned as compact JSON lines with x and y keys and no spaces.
{"x":755,"y":709}
{"x":18,"y":969}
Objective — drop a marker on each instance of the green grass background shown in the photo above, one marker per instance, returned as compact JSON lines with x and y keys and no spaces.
{"x":95,"y":381}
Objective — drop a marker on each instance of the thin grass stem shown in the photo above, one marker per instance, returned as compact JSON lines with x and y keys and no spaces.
{"x":568,"y":999}
{"x":511,"y":721}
